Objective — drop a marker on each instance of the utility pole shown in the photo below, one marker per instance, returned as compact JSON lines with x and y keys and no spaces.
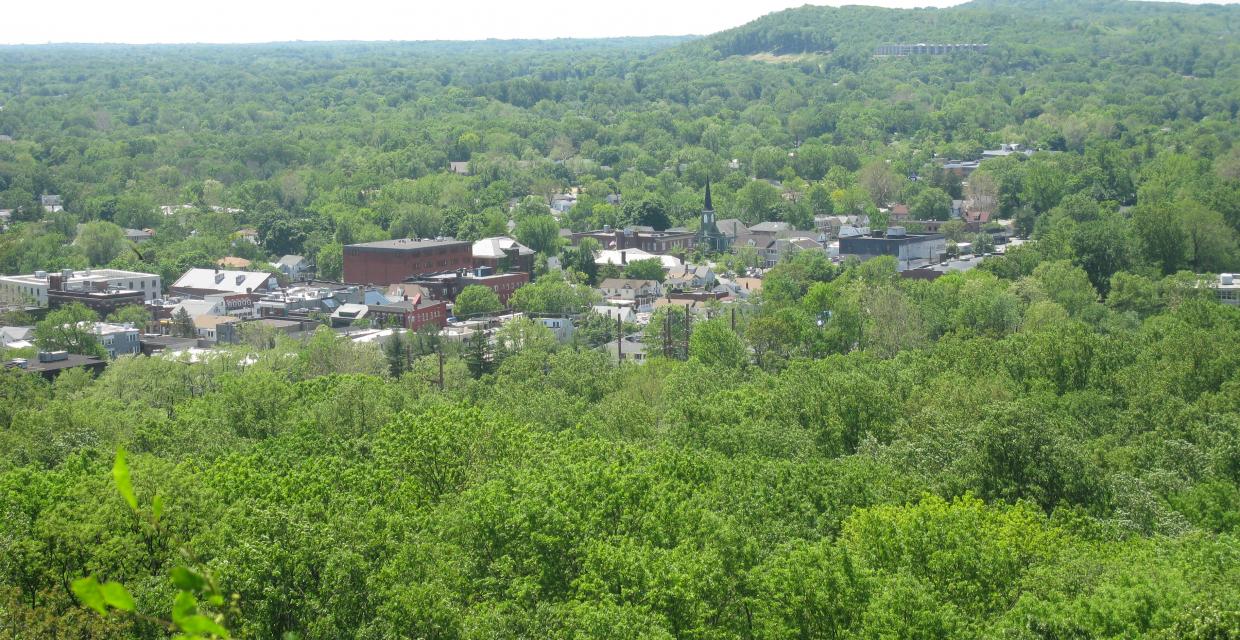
{"x":667,"y":332}
{"x":687,"y":321}
{"x":440,"y":367}
{"x":619,"y":338}
{"x":733,"y":319}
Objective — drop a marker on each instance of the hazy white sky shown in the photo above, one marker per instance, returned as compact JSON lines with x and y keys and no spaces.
{"x":146,"y":21}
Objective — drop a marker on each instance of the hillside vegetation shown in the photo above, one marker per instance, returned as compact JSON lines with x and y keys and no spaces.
{"x":1047,"y":446}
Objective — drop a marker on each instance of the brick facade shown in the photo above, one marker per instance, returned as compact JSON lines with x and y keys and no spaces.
{"x":392,"y":261}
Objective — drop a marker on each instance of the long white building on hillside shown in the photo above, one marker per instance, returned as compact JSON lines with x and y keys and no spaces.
{"x":32,"y":289}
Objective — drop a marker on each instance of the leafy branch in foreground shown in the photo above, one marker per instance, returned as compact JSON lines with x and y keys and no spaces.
{"x":187,"y":621}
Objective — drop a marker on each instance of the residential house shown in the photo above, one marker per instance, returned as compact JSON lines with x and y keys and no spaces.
{"x":623,"y":314}
{"x":781,"y":248}
{"x":117,"y":339}
{"x":52,"y":203}
{"x":562,"y":327}
{"x":293,"y":266}
{"x":217,"y":329}
{"x":248,"y":235}
{"x":561,"y":203}
{"x":763,"y":233}
{"x":460,"y":168}
{"x":898,"y":212}
{"x":689,"y":277}
{"x":632,"y":349}
{"x":502,"y":253}
{"x":196,"y":308}
{"x":640,"y":292}
{"x":139,"y":235}
{"x":16,"y":337}
{"x":736,"y":231}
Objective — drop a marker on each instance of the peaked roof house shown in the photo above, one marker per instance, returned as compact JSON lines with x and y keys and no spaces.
{"x":770,"y":228}
{"x":52,"y":203}
{"x":293,"y":266}
{"x":502,"y":253}
{"x":690,"y":277}
{"x":622,"y":290}
{"x":624,"y":314}
{"x":780,"y":248}
{"x":10,"y":335}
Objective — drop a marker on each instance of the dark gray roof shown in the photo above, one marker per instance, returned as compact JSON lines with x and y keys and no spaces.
{"x":407,"y":244}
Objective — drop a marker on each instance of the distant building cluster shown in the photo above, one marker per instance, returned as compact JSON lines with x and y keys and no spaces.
{"x":923,"y":49}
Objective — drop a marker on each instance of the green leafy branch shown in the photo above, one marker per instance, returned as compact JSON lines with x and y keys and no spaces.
{"x":186,"y":620}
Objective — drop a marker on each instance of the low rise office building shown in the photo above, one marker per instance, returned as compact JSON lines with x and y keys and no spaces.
{"x":33,"y":289}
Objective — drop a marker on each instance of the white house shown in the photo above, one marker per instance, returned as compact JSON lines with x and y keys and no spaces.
{"x":639,"y":292}
{"x":624,"y":314}
{"x":690,"y":277}
{"x":295,"y":267}
{"x":563,"y":328}
{"x":117,"y":339}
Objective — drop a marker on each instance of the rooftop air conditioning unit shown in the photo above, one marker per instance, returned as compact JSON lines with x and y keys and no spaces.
{"x":1226,"y":279}
{"x":42,"y":275}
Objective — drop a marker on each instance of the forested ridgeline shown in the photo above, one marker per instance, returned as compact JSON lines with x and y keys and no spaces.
{"x":1045,"y":447}
{"x":319,"y":145}
{"x":976,"y":457}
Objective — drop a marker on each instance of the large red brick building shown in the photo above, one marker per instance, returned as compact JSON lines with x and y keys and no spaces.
{"x":446,"y":286}
{"x":392,"y":261}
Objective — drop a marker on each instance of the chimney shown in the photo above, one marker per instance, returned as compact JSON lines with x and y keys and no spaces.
{"x":624,"y":257}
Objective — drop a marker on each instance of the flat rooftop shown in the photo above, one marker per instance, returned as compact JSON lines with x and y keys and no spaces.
{"x":74,"y":360}
{"x":93,"y":274}
{"x":409,"y":244}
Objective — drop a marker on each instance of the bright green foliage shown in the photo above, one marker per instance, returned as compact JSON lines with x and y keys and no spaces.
{"x":476,"y":300}
{"x":1044,"y":447}
{"x":552,"y":295}
{"x":650,"y":269}
{"x":69,"y":328}
{"x":714,"y":344}
{"x":540,"y":233}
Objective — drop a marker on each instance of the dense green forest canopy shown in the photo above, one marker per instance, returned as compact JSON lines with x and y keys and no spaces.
{"x":981,"y":456}
{"x":320,"y":144}
{"x":1045,"y":447}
